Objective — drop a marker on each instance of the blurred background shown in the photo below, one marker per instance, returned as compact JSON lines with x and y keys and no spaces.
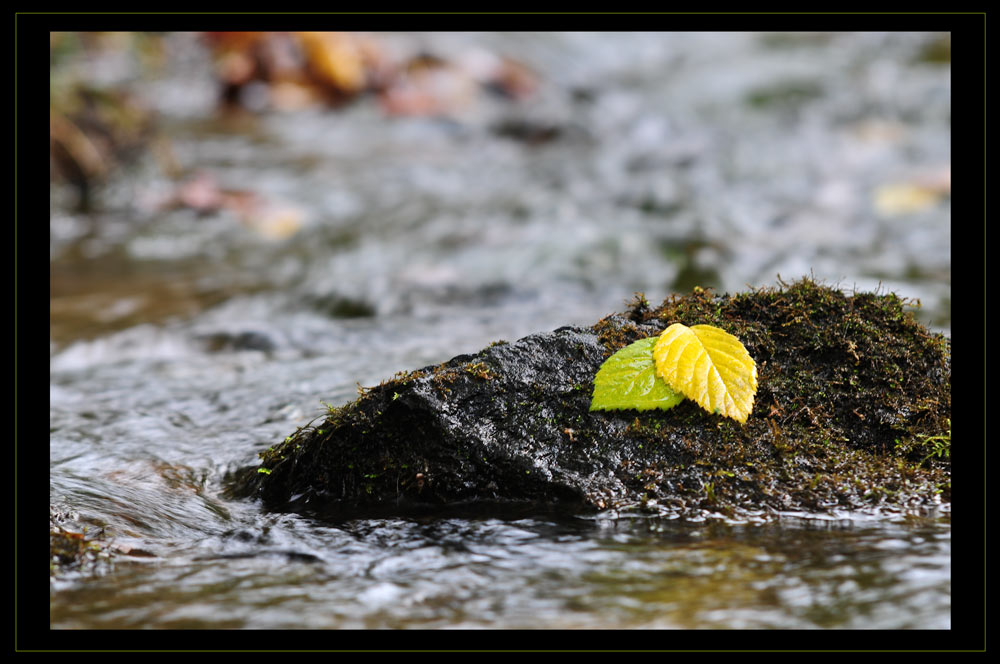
{"x":244,"y":226}
{"x":499,"y":183}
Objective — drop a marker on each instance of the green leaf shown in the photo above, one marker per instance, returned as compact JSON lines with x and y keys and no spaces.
{"x":627,"y":380}
{"x":709,"y":366}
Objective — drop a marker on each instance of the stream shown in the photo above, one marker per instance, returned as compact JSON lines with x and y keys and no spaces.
{"x":356,"y":243}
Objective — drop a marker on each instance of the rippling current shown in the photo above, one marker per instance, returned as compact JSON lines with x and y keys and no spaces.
{"x":183,"y":344}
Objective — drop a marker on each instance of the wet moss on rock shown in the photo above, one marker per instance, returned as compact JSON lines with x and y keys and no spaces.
{"x":851,"y":389}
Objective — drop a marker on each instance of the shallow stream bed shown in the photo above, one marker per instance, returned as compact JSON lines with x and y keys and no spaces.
{"x":184,"y":343}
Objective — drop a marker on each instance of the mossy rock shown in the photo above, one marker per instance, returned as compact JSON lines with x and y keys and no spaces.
{"x":852,"y":412}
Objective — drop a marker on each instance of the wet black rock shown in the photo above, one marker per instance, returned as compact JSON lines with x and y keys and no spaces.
{"x":852,"y":390}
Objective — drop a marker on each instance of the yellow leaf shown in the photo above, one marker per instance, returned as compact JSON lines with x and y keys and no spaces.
{"x":893,"y":200}
{"x":708,"y":366}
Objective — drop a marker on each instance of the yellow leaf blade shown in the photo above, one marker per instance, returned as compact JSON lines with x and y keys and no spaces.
{"x":709,"y":366}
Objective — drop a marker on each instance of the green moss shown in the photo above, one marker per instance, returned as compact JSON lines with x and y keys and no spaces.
{"x":927,"y":447}
{"x":841,"y":377}
{"x":614,"y":335}
{"x":480,"y":370}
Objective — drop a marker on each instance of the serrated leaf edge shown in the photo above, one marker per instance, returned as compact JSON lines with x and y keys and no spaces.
{"x":621,"y":403}
{"x":668,"y":354}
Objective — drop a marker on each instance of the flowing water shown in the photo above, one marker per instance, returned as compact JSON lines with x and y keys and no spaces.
{"x":183,"y":343}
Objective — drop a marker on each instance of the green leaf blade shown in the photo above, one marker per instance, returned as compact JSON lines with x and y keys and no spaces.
{"x":627,"y":381}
